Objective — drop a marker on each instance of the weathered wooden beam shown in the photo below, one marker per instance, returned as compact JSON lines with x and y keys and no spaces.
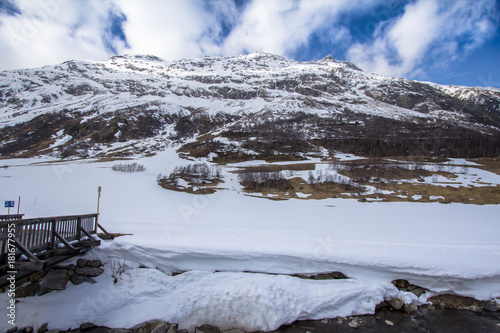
{"x":64,"y":251}
{"x":90,"y":243}
{"x":64,"y":241}
{"x":87,"y":233}
{"x":29,"y":266}
{"x":25,"y":251}
{"x":104,"y":230}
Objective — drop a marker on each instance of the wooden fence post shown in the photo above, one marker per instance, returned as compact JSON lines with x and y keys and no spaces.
{"x":53,"y":234}
{"x":79,"y":228}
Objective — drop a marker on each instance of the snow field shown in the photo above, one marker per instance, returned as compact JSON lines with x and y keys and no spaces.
{"x":445,"y":248}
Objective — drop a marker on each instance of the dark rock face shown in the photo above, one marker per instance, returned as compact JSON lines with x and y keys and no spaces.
{"x":404,"y":285}
{"x":89,"y":271}
{"x":28,"y":291}
{"x":55,"y":279}
{"x":94,"y":263}
{"x":81,"y":262}
{"x":457,"y":302}
{"x":79,"y":279}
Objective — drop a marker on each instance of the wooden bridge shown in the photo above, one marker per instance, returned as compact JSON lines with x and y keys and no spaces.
{"x":29,"y":245}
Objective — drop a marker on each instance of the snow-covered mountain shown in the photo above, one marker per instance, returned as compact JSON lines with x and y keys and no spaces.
{"x":253,"y":105}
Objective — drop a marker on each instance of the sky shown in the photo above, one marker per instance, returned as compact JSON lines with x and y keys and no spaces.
{"x":443,"y":41}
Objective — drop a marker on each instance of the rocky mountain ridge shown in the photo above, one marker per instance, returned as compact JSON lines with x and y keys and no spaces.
{"x":251,"y":106}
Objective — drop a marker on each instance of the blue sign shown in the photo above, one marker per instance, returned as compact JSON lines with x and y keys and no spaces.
{"x":9,"y":204}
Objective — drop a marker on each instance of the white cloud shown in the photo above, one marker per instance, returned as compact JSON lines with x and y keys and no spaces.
{"x":53,"y":31}
{"x":282,"y":26}
{"x":169,"y":29}
{"x":427,"y":29}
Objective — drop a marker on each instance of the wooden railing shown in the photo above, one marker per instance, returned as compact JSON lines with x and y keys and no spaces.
{"x":11,"y":217}
{"x":32,"y":236}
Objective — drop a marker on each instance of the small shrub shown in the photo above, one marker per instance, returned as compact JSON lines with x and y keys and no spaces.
{"x":117,"y":268}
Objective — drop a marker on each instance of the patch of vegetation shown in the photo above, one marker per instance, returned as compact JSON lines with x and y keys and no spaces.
{"x":363,"y":172}
{"x":196,"y":178}
{"x":371,"y":180}
{"x":133,"y":167}
{"x":258,"y":181}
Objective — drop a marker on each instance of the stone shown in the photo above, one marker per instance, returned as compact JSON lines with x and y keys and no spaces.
{"x":171,"y":329}
{"x":81,"y":262}
{"x":330,"y":276}
{"x":490,"y":306}
{"x":354,"y":323}
{"x":410,"y":308}
{"x":37,"y":276}
{"x":55,"y":279}
{"x":153,"y":326}
{"x":234,"y":330}
{"x":457,"y":302}
{"x":396,"y":303}
{"x":86,"y":326}
{"x":339,"y":275}
{"x":28,"y":329}
{"x":389,"y":323}
{"x":89,"y":271}
{"x":12,"y":330}
{"x":28,"y":290}
{"x":94,"y":263}
{"x":43,"y":328}
{"x":119,"y":330}
{"x":207,"y":329}
{"x":418,"y":291}
{"x":53,"y":331}
{"x":79,"y":279}
{"x":382,"y":305}
{"x":411,"y":287}
{"x":401,"y":284}
{"x":44,"y":291}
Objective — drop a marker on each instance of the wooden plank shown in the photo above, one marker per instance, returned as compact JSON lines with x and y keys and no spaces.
{"x":79,"y":228}
{"x":90,"y":243}
{"x":66,"y":252}
{"x":30,"y":266}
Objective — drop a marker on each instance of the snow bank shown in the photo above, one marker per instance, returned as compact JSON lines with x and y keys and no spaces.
{"x":227,"y":300}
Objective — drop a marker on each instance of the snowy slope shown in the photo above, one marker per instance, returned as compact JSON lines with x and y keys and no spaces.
{"x":123,"y":88}
{"x":445,"y":248}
